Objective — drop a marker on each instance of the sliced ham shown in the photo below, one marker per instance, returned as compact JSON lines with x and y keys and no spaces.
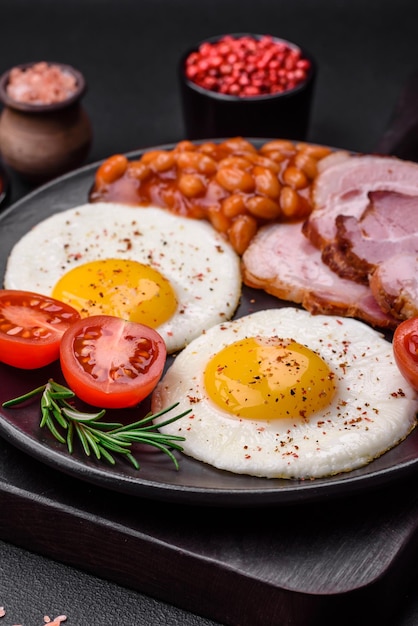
{"x":283,"y":262}
{"x":388,"y":226}
{"x":394,"y":284}
{"x":342,"y":187}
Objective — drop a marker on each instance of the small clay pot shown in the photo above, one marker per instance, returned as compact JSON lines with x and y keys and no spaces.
{"x":42,"y":141}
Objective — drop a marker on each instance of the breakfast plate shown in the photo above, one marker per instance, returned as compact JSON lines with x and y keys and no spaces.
{"x":194,"y":482}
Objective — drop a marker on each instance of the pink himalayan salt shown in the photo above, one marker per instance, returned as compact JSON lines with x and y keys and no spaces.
{"x":40,"y":83}
{"x":56,"y":622}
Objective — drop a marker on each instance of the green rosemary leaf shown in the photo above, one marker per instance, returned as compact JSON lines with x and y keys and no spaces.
{"x":79,"y":416}
{"x":103,"y":426}
{"x":133,"y":460}
{"x":81,"y":435}
{"x":45,"y":400}
{"x":24,"y":398}
{"x":56,"y":411}
{"x":150,"y":438}
{"x":168,"y":452}
{"x":106,"y":454}
{"x":70,"y":437}
{"x":52,"y":428}
{"x":44,"y":416}
{"x":150,"y":417}
{"x":91,"y":440}
{"x":113,"y":443}
{"x":100,"y":437}
{"x":59,"y":391}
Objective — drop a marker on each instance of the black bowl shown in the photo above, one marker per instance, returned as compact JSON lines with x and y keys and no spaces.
{"x":210,"y":114}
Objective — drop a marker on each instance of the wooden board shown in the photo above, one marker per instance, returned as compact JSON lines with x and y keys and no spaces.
{"x":299,"y":565}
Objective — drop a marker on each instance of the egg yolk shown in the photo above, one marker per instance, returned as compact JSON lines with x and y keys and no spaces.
{"x":268,"y":379}
{"x":123,"y":288}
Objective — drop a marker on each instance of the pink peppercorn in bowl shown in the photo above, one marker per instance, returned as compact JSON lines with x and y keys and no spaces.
{"x":247,"y":84}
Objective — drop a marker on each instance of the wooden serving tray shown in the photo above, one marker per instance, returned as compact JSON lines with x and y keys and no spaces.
{"x":302,"y":564}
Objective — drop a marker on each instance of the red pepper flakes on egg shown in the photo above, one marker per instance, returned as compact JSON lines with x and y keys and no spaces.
{"x":246,"y":66}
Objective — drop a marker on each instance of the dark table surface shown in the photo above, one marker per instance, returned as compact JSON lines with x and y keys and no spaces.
{"x":128,"y":51}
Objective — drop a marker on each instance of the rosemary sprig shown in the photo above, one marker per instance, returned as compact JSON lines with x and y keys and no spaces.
{"x":104,"y":439}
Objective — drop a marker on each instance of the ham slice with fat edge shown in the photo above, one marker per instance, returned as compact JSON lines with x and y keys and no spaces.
{"x":283,"y":262}
{"x":394,"y":284}
{"x":387,"y":227}
{"x":342,"y":187}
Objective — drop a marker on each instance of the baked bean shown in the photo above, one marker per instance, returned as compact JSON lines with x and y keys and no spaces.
{"x":304,"y":208}
{"x":191,"y":185}
{"x":294,"y":206}
{"x":289,"y":201}
{"x":264,"y":161}
{"x":278,"y":157}
{"x":295,"y":177}
{"x":139,"y":170}
{"x":263,"y":208}
{"x":232,"y":184}
{"x":149,"y":157}
{"x":168,"y":196}
{"x":233,"y":179}
{"x":111,"y":170}
{"x":185,"y":145}
{"x":250,"y":155}
{"x":281,"y":145}
{"x":195,"y":211}
{"x":241,"y":232}
{"x":197,"y":161}
{"x":266,"y":182}
{"x":233,"y":205}
{"x":218,"y":219}
{"x":237,"y":144}
{"x":307,"y":164}
{"x":235,"y":161}
{"x":209,"y":147}
{"x":163,"y":161}
{"x":316,"y":152}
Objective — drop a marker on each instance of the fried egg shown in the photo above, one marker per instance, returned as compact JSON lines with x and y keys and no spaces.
{"x":283,"y":393}
{"x":172,"y":273}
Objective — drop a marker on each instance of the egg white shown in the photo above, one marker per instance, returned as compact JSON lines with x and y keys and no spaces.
{"x":200,"y":264}
{"x":374,"y":408}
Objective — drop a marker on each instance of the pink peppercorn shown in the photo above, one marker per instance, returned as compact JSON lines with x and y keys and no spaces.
{"x":247,"y":66}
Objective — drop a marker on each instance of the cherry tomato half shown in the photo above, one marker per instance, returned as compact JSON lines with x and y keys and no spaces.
{"x":31,"y":327}
{"x":111,"y":363}
{"x":405,"y":350}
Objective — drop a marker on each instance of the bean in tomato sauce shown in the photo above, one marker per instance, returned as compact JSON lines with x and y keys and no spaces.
{"x":232,"y":184}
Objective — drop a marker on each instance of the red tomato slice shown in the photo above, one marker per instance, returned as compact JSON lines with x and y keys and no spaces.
{"x":405,"y":350}
{"x":112,"y":363}
{"x":31,"y":327}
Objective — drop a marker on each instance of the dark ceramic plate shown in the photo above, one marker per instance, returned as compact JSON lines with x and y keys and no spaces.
{"x":194,"y":483}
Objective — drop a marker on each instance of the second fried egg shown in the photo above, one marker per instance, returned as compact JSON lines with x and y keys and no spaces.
{"x":282,"y":393}
{"x":175,"y":274}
